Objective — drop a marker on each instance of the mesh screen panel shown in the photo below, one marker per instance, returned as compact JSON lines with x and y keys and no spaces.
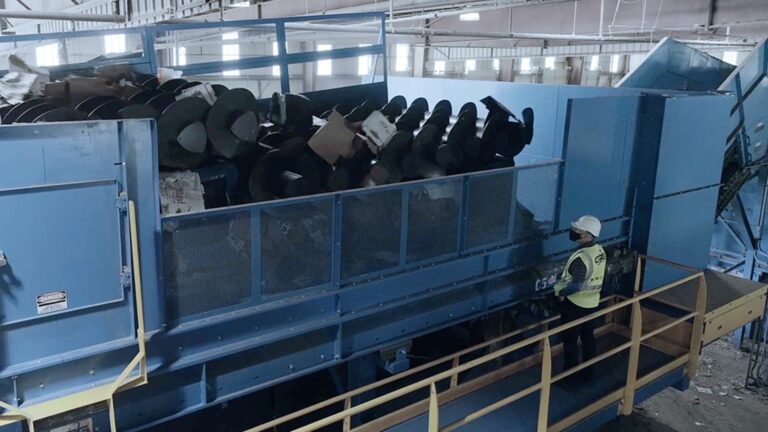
{"x":295,"y":246}
{"x":535,"y":209}
{"x":370,"y":232}
{"x":207,"y":263}
{"x":490,"y":200}
{"x":433,"y":220}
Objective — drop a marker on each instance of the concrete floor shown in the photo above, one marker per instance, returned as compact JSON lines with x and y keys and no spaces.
{"x":717,"y":400}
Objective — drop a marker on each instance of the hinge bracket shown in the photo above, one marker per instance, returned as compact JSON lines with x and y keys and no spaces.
{"x":121,"y":202}
{"x":126,"y":277}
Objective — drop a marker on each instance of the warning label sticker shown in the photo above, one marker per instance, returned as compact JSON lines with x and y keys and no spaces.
{"x":51,"y":302}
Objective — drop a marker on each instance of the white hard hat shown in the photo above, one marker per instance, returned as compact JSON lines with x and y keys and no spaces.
{"x":589,"y":224}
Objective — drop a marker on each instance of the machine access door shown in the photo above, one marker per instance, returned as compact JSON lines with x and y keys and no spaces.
{"x":63,"y":270}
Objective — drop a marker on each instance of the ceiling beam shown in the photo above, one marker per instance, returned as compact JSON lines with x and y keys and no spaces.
{"x":61,"y":16}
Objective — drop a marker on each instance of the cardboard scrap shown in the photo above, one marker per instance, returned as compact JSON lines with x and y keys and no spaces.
{"x":204,"y":91}
{"x":181,"y":192}
{"x":378,"y":130}
{"x":335,"y":139}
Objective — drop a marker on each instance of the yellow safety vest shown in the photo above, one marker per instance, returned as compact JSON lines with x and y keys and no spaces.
{"x":594,"y":259}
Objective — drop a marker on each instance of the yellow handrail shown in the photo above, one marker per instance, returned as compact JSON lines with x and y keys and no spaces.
{"x":637,"y":337}
{"x":352,"y":393}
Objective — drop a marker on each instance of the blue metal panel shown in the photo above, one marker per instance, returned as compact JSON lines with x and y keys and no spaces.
{"x":248,"y":370}
{"x":64,"y":223}
{"x":369,"y":332}
{"x":597,"y":419}
{"x":162,"y":399}
{"x":692,"y":143}
{"x":543,"y":100}
{"x":651,"y":116}
{"x":85,"y":214}
{"x":748,"y":118}
{"x":598,"y":153}
{"x":681,"y":229}
{"x":547,"y":101}
{"x":431,"y":277}
{"x":677,"y":66}
{"x":139,"y":139}
{"x":68,"y":152}
{"x":644,"y":393}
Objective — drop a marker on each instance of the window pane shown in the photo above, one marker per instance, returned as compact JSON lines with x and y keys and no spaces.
{"x":179,"y":56}
{"x":230,"y":52}
{"x":615,"y":63}
{"x":731,"y":57}
{"x":470,"y":65}
{"x":324,"y":67}
{"x":364,"y":63}
{"x":440,"y":67}
{"x":47,"y":55}
{"x":549,"y":63}
{"x":205,"y":45}
{"x":496,"y":65}
{"x":401,"y":57}
{"x":525,"y":64}
{"x":594,"y":63}
{"x":276,"y":68}
{"x":114,"y":43}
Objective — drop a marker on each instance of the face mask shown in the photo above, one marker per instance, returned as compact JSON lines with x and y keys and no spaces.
{"x":573,"y":235}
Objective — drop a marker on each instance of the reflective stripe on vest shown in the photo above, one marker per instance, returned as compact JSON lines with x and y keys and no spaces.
{"x":594,"y":259}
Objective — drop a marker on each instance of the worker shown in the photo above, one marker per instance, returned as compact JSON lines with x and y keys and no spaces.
{"x":579,"y":293}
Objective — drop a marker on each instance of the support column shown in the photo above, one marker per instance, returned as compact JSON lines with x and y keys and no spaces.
{"x":419,"y":59}
{"x":361,"y":372}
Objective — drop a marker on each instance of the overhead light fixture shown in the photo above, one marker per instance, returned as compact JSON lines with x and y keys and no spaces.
{"x":241,"y":4}
{"x":470,"y":16}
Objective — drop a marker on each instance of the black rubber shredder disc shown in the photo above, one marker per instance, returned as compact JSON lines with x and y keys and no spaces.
{"x":16,"y":111}
{"x":182,"y":139}
{"x":233,"y":123}
{"x":172,"y":85}
{"x":34,"y":112}
{"x":90,"y":104}
{"x":144,"y":96}
{"x":108,"y":110}
{"x":63,"y":114}
{"x":138,"y":111}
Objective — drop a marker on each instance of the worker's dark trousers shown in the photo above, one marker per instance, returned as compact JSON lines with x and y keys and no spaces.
{"x":570,"y":312}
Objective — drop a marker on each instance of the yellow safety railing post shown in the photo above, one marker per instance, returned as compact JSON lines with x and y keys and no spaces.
{"x":638,"y":273}
{"x":347,"y":420}
{"x":455,"y":377}
{"x":434,"y":410}
{"x":634,"y":356}
{"x":546,"y":382}
{"x":112,"y":416}
{"x":698,"y":328}
{"x":544,"y":329}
